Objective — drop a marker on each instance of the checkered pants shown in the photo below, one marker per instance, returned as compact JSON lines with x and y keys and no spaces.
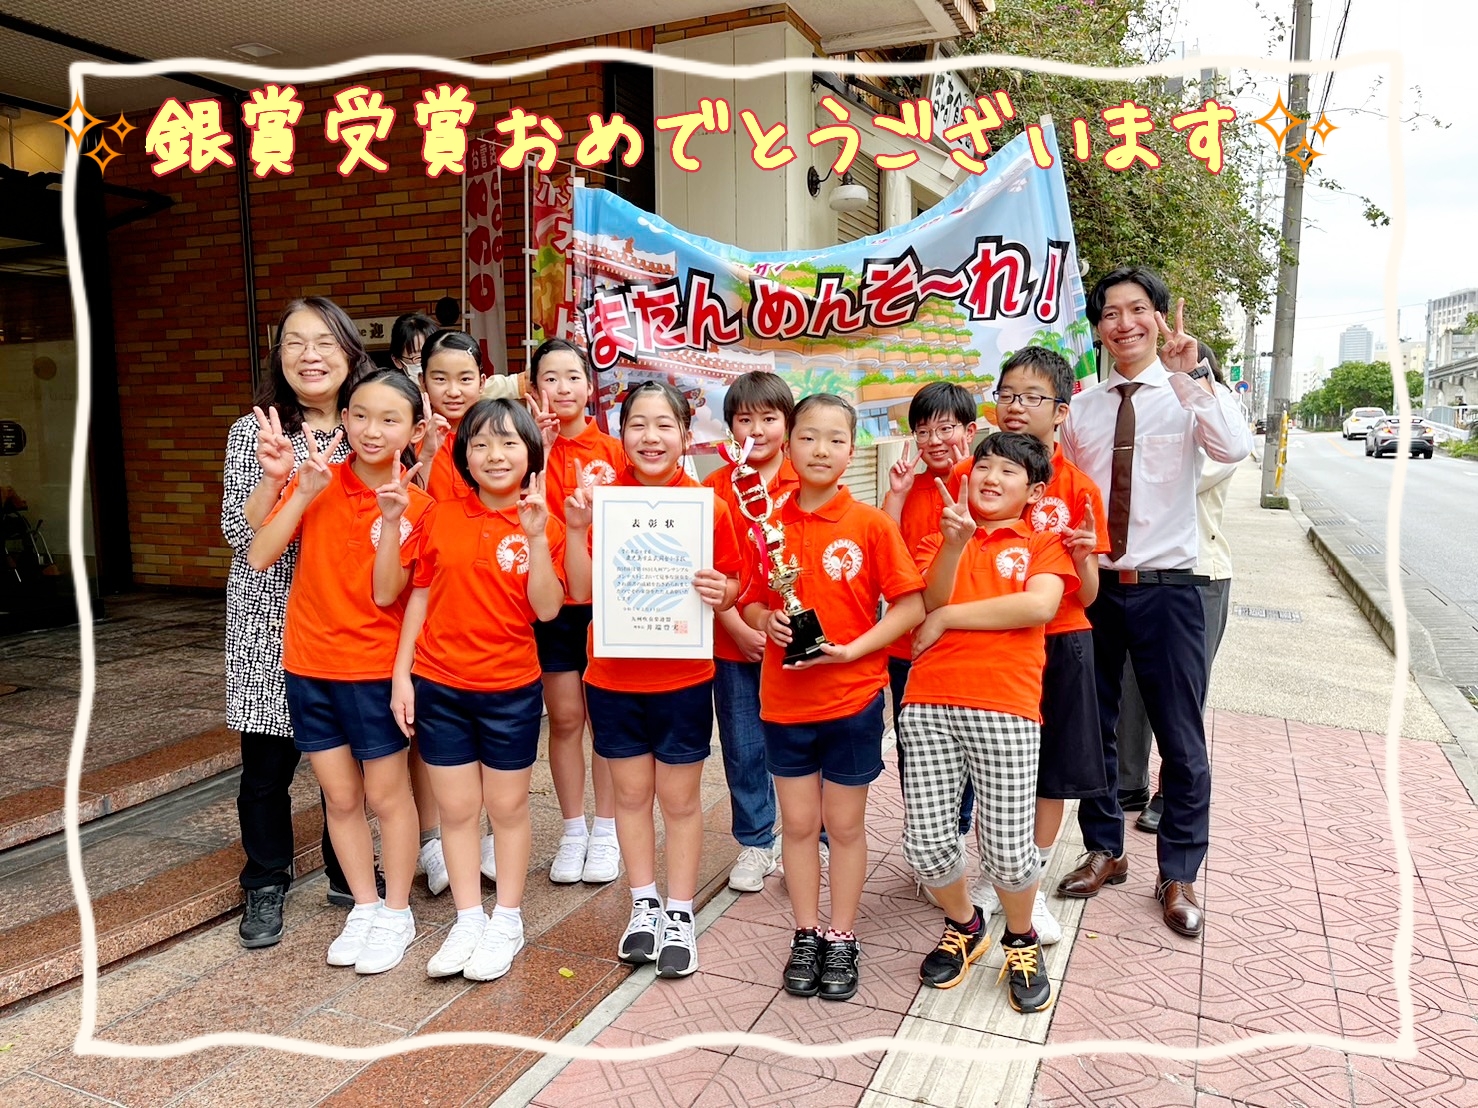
{"x":944,"y":744}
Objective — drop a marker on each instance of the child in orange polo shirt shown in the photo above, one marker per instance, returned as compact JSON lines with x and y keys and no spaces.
{"x":466,"y":682}
{"x":758,"y":408}
{"x":653,"y":722}
{"x":1032,"y":397}
{"x":362,"y":525}
{"x":973,"y":707}
{"x":824,"y":729}
{"x":578,"y":454}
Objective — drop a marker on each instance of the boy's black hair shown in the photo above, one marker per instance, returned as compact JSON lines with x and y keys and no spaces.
{"x":549,"y":346}
{"x":448,"y":311}
{"x":1047,"y":364}
{"x":1153,"y":284}
{"x":826,"y":400}
{"x":673,"y":395}
{"x":941,"y":398}
{"x":459,"y":341}
{"x":401,"y":382}
{"x":274,"y":390}
{"x":756,"y":391}
{"x":1209,"y":356}
{"x":1025,"y":450}
{"x":405,"y":329}
{"x":498,"y":415}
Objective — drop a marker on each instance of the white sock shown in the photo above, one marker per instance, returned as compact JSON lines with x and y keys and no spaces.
{"x":508,"y":913}
{"x":575,"y":828}
{"x":605,"y":826}
{"x":646,"y":892}
{"x":1045,"y":853}
{"x":397,"y":911}
{"x":680,"y":906}
{"x":464,"y":914}
{"x":431,"y":834}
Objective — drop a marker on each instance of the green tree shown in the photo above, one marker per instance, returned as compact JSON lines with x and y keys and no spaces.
{"x":1197,"y":228}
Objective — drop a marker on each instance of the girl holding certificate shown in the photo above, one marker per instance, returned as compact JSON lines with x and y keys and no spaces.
{"x":654,"y":723}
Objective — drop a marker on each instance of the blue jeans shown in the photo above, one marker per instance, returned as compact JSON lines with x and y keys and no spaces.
{"x":897,"y":682}
{"x":736,"y":703}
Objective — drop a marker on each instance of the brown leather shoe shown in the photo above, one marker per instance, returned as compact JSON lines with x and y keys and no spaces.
{"x":1182,"y":913}
{"x":1098,"y":868}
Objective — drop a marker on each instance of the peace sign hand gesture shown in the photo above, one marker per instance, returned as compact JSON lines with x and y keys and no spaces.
{"x":533,"y":509}
{"x":1181,"y":351}
{"x":274,"y":449}
{"x":901,"y":473}
{"x":541,"y":407}
{"x":394,"y":496}
{"x":437,"y":430}
{"x":956,"y":523}
{"x":316,"y":472}
{"x":580,"y":507}
{"x":1081,"y":540}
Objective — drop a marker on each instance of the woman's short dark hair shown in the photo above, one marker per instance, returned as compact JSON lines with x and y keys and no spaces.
{"x":1206,"y":354}
{"x":460,"y":341}
{"x":405,"y":330}
{"x":671,"y":393}
{"x":274,"y":391}
{"x":550,"y":346}
{"x":757,"y":391}
{"x":1025,"y":450}
{"x":399,"y":381}
{"x":826,"y":400}
{"x":499,"y":415}
{"x":1153,"y":284}
{"x":448,"y":311}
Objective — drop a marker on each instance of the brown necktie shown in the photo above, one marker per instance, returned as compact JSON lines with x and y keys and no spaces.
{"x":1121,"y":478}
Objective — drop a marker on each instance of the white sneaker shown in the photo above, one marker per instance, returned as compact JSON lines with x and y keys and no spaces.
{"x":639,"y":942}
{"x":602,"y":860}
{"x":457,"y":947}
{"x":500,"y":941}
{"x":344,"y":951}
{"x":569,"y":860}
{"x":825,"y":855}
{"x":1048,"y":929}
{"x":983,"y":896}
{"x":677,"y":956}
{"x":433,"y":864}
{"x":385,"y":945}
{"x":489,"y":866}
{"x":754,"y":864}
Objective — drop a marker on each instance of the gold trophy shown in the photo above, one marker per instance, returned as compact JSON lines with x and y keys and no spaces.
{"x":755,"y":505}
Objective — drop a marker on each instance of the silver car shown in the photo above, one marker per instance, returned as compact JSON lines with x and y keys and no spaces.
{"x":1382,"y":438}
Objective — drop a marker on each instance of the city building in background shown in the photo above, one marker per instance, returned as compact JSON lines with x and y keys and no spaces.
{"x":1356,"y":344}
{"x":1443,"y":314}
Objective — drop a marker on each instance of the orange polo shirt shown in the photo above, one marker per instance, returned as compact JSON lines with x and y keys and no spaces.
{"x":592,"y":457}
{"x":850,"y":554}
{"x":444,"y":482}
{"x":1000,"y":671}
{"x":919,"y":518}
{"x":643,"y":675}
{"x":334,"y":628}
{"x":781,"y":488}
{"x":1059,"y":511}
{"x":479,"y":629}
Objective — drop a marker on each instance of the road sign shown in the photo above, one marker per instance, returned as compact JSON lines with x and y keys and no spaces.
{"x":1236,"y":374}
{"x":1243,"y":386}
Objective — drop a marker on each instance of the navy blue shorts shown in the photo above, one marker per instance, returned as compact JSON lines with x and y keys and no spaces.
{"x":1070,"y":765}
{"x":455,"y":727}
{"x":674,"y":727}
{"x":328,"y":714}
{"x":562,"y":641}
{"x":846,"y":751}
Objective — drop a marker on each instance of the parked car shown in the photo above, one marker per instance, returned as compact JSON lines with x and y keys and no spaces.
{"x":1261,"y":427}
{"x":1362,"y":420}
{"x":1381,"y":439}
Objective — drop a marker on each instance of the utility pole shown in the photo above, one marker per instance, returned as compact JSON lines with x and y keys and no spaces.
{"x":1283,"y":314}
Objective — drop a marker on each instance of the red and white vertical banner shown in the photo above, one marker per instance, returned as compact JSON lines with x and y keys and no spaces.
{"x":553,"y":218}
{"x":483,"y":231}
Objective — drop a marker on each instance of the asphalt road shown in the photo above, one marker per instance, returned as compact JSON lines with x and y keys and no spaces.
{"x":1439,"y":512}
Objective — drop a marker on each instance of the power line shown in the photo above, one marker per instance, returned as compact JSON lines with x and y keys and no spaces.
{"x":1339,"y":41}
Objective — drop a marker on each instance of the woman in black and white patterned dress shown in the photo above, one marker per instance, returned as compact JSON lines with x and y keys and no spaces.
{"x":317,"y":356}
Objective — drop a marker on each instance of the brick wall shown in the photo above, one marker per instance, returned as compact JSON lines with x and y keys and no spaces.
{"x":377,"y":244}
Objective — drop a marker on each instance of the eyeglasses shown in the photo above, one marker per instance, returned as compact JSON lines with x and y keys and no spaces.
{"x":1025,"y":399}
{"x":940,"y":433}
{"x":294,"y":348}
{"x":409,"y":359}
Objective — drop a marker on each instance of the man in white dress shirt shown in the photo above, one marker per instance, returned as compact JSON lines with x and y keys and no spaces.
{"x":1136,"y":435}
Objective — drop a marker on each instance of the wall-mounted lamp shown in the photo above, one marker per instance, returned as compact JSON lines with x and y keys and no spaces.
{"x":845,"y":197}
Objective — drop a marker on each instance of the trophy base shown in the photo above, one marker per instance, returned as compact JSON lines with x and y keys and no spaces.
{"x":806,"y":637}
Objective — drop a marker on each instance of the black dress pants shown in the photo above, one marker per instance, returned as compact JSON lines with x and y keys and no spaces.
{"x":264,"y":808}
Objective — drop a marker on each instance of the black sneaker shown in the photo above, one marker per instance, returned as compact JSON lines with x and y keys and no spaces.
{"x":945,"y":965}
{"x":1029,"y":988}
{"x":803,"y":971}
{"x":839,"y":970}
{"x":677,"y":953}
{"x":643,"y":934}
{"x":261,"y":925}
{"x":340,"y":897}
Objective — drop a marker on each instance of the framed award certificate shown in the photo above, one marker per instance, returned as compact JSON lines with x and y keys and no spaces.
{"x":647,"y":544}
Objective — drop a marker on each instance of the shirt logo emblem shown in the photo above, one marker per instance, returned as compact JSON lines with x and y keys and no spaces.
{"x":513,"y":553}
{"x":843,"y":558}
{"x":1051,"y":514}
{"x":405,"y":530}
{"x":598,"y":472}
{"x":1011,"y":563}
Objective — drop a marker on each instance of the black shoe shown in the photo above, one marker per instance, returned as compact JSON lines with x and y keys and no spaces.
{"x":839,"y":970}
{"x":803,"y":971}
{"x":340,"y":897}
{"x":945,"y":965}
{"x":1149,"y":819}
{"x":1030,"y":990}
{"x":1134,"y":800}
{"x":261,"y":925}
